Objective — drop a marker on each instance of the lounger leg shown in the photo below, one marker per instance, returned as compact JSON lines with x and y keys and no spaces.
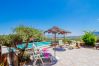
{"x":34,"y":63}
{"x":42,"y":61}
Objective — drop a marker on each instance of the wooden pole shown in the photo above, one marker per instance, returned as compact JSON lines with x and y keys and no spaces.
{"x":55,"y":45}
{"x":64,"y":38}
{"x":55,"y":37}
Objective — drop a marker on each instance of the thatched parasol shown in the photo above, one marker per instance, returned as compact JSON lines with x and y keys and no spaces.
{"x":56,"y":30}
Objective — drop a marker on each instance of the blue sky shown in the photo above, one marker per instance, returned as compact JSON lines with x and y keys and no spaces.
{"x":73,"y":15}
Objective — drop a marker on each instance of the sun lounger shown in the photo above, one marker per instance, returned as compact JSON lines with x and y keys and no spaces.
{"x":42,"y":56}
{"x":97,"y":45}
{"x":61,"y":44}
{"x":37,"y":56}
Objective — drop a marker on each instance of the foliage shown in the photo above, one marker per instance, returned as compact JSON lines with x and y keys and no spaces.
{"x":76,"y":38}
{"x":5,"y":40}
{"x":69,"y":41}
{"x":9,"y":40}
{"x":65,"y":40}
{"x":24,"y":34}
{"x":14,"y":39}
{"x":89,"y":38}
{"x":48,"y":39}
{"x":21,"y":33}
{"x":27,"y":32}
{"x":24,"y":57}
{"x":2,"y":40}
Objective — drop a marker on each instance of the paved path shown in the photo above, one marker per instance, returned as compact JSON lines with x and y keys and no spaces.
{"x":77,"y":57}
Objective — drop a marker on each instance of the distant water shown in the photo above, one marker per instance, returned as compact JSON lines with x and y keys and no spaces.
{"x":96,"y":33}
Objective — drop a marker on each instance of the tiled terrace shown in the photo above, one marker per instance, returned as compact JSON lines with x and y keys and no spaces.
{"x":77,"y":57}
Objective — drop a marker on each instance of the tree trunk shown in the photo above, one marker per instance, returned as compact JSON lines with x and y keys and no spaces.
{"x":11,"y":55}
{"x":27,"y":43}
{"x":0,"y":55}
{"x":4,"y":59}
{"x":15,"y":60}
{"x":22,"y":53}
{"x":64,"y":36}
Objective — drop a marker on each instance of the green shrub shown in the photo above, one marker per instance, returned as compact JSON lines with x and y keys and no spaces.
{"x":89,"y":38}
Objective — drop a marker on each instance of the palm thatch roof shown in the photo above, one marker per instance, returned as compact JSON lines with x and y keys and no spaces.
{"x":58,"y":30}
